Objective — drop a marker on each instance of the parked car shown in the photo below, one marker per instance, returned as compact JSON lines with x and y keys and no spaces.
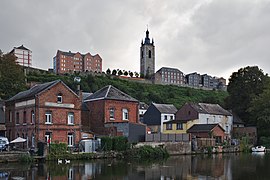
{"x":4,"y":139}
{"x":3,"y":143}
{"x":3,"y":146}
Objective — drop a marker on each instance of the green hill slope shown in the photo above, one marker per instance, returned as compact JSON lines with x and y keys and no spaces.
{"x":143,"y":92}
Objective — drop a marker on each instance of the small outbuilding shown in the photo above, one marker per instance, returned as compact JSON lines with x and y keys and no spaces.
{"x":207,"y":131}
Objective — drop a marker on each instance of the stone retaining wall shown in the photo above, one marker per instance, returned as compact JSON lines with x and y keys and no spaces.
{"x":173,"y":148}
{"x":11,"y":156}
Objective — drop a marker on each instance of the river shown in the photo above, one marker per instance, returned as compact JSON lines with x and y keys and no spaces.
{"x":203,"y":167}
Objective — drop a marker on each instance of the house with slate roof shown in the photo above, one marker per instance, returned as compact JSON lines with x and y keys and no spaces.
{"x":207,"y":131}
{"x":203,"y":113}
{"x":157,"y":114}
{"x":113,"y":113}
{"x":142,"y":109}
{"x":48,"y":112}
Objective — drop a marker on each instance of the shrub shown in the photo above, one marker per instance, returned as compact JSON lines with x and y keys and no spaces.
{"x":26,"y":158}
{"x":147,"y":152}
{"x":58,"y":149}
{"x":120,"y":143}
{"x":106,"y":143}
{"x":265,"y":141}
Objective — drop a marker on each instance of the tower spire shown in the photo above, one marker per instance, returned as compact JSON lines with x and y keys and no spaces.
{"x":147,"y":39}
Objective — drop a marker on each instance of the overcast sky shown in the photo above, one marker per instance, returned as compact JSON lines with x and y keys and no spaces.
{"x":216,"y":37}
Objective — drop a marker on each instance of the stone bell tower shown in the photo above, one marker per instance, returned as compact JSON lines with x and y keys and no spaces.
{"x":147,"y":57}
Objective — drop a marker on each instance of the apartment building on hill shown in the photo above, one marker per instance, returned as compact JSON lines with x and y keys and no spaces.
{"x":166,"y":75}
{"x":23,"y":55}
{"x":68,"y":62}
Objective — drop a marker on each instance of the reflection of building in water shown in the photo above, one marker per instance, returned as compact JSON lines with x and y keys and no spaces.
{"x":91,"y":170}
{"x":174,"y":168}
{"x":215,"y":166}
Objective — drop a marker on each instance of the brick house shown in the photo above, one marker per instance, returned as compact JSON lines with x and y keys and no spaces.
{"x":49,"y":112}
{"x":113,"y":113}
{"x":157,"y":114}
{"x":203,"y":113}
{"x":207,"y":131}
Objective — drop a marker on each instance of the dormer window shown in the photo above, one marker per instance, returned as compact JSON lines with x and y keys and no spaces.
{"x":59,"y":98}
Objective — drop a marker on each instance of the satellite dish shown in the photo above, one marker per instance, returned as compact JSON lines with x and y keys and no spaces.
{"x":77,"y":79}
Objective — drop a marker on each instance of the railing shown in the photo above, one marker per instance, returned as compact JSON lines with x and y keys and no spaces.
{"x":160,"y":137}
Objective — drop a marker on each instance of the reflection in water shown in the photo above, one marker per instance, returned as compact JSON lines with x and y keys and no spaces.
{"x":217,"y":166}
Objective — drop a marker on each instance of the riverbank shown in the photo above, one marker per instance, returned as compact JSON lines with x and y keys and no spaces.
{"x":12,"y":156}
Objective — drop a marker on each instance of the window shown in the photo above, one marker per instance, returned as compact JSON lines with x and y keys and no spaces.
{"x":169,"y":126}
{"x":10,"y":116}
{"x":24,"y":117}
{"x":48,"y":117}
{"x":70,"y":118}
{"x":125,"y":114}
{"x":179,"y":126}
{"x":70,"y":174}
{"x":112,"y":113}
{"x":165,"y":117}
{"x":171,"y":117}
{"x":48,"y":137}
{"x":17,"y":118}
{"x":32,"y":117}
{"x":59,"y":98}
{"x":33,"y":140}
{"x":149,"y":54}
{"x":70,"y":139}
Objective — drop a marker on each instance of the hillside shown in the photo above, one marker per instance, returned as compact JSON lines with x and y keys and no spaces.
{"x":143,"y":92}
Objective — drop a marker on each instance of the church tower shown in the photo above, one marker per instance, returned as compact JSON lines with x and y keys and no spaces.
{"x":147,"y":57}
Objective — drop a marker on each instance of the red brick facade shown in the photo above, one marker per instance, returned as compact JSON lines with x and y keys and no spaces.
{"x":66,"y":62}
{"x":186,"y":112}
{"x":99,"y":115}
{"x":27,"y":117}
{"x":217,"y":131}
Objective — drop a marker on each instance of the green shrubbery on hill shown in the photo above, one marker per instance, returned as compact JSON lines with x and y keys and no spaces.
{"x":143,"y":92}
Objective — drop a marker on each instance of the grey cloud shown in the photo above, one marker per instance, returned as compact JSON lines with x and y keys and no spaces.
{"x":214,"y":37}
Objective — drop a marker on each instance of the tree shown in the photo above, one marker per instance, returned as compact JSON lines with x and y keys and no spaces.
{"x":243,"y":86}
{"x":12,"y":78}
{"x":120,"y":73}
{"x":108,"y":71}
{"x":260,"y":111}
{"x":130,"y":74}
{"x":126,"y":73}
{"x":114,"y":72}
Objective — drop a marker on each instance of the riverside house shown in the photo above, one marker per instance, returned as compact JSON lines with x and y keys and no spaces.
{"x":157,"y":114}
{"x":49,"y":112}
{"x":112,"y":112}
{"x":207,"y":131}
{"x":203,"y":113}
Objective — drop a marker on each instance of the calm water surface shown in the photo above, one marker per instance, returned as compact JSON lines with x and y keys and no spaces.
{"x":220,"y":166}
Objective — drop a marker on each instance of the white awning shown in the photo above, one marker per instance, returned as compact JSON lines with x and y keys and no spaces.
{"x":18,"y":140}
